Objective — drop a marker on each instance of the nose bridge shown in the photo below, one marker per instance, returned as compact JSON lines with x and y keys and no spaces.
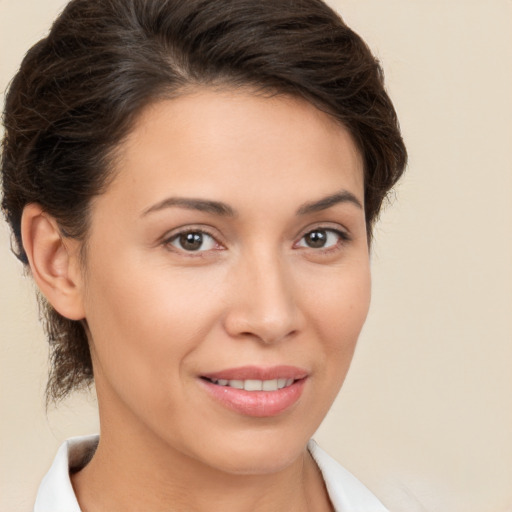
{"x":265,"y":305}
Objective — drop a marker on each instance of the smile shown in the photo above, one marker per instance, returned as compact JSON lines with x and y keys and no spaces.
{"x":255,"y":384}
{"x":255,"y":391}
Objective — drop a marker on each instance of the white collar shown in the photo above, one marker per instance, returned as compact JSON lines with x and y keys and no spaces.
{"x":56,"y":493}
{"x":346,"y":492}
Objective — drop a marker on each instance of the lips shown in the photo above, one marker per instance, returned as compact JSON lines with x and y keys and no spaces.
{"x":254,"y":391}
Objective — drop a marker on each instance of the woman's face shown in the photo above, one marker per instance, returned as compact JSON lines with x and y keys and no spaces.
{"x":229,"y":251}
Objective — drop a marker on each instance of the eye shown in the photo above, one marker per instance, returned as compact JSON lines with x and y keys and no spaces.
{"x":322,"y":238}
{"x":193,"y":241}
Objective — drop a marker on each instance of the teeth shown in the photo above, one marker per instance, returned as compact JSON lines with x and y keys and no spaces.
{"x":254,"y":384}
{"x":238,"y":384}
{"x":270,"y":385}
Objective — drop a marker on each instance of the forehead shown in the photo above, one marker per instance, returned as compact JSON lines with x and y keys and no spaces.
{"x":232,"y":143}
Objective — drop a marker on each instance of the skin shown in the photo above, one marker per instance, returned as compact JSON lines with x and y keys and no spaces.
{"x":255,"y":293}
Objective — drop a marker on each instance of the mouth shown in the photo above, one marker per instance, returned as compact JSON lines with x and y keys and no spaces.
{"x":253,"y":384}
{"x":257,"y":392}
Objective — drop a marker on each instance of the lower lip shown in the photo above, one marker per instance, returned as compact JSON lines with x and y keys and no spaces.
{"x":259,"y":404}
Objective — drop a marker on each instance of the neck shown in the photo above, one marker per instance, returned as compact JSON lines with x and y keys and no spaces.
{"x":134,"y":470}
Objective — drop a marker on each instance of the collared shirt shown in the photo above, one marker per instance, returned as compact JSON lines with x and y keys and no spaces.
{"x":56,"y":493}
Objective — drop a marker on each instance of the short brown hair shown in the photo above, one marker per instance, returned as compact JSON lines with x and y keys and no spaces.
{"x":79,"y":90}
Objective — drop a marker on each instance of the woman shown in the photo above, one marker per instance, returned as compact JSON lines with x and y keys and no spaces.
{"x":193,"y":186}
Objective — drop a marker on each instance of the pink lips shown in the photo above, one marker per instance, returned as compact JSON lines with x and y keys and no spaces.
{"x":256,"y":403}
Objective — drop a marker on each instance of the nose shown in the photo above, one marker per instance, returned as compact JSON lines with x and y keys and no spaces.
{"x":264,"y":303}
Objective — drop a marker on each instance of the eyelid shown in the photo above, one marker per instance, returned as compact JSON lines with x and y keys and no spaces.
{"x":333,"y":227}
{"x":182,"y":230}
{"x":341,"y":232}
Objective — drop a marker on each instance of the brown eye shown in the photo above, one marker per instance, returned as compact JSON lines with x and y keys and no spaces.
{"x":322,"y":238}
{"x":193,"y":241}
{"x":316,"y":239}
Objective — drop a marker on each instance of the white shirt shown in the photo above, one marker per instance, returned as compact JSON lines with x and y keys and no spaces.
{"x":56,"y":493}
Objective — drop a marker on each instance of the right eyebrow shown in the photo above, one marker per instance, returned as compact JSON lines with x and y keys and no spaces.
{"x":202,"y":205}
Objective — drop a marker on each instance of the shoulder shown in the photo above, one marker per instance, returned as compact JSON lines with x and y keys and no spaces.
{"x":346,"y":492}
{"x":56,"y":493}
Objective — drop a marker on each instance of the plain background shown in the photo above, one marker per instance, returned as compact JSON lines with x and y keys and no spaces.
{"x":425,"y":416}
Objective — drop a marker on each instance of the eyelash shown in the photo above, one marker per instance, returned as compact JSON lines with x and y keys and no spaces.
{"x":168,"y":242}
{"x":343,"y":238}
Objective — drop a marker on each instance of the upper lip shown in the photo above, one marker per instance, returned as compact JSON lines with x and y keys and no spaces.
{"x":258,"y":373}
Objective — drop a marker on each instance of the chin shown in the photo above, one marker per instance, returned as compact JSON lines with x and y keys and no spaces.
{"x":259,"y":454}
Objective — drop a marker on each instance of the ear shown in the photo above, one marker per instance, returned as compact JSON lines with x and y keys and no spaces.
{"x":54,"y":262}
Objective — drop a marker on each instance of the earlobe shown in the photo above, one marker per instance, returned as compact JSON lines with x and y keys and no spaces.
{"x":53,"y":261}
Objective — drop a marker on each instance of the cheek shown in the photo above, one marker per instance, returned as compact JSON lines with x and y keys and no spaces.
{"x":145,"y":319}
{"x":340,"y":302}
{"x":338,"y":311}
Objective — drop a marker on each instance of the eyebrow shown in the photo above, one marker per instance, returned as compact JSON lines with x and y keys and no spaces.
{"x":203,"y":205}
{"x":224,"y":210}
{"x":323,"y":204}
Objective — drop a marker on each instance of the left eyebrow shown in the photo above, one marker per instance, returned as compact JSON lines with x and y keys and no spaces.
{"x":323,"y":204}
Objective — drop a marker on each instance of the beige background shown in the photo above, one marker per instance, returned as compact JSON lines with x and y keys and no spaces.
{"x":425,"y":417}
